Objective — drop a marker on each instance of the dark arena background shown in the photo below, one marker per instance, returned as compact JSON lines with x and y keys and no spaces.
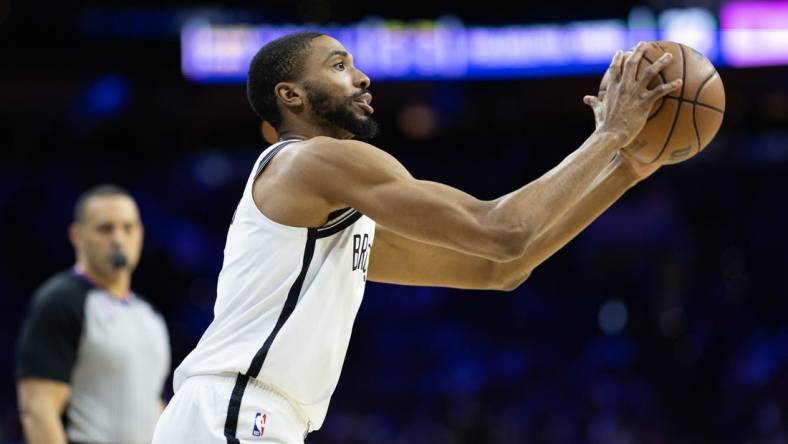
{"x":663,"y":323}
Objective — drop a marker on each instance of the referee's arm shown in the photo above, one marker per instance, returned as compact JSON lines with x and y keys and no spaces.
{"x":45,"y":355}
{"x":41,"y":404}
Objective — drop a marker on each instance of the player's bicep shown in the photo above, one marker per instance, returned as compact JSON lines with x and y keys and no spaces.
{"x":398,"y":260}
{"x":375,"y":184}
{"x":421,"y":210}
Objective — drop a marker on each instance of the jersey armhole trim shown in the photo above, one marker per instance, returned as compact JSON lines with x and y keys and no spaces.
{"x":335,"y":226}
{"x":340,"y":225}
{"x":268,"y":157}
{"x":259,"y":215}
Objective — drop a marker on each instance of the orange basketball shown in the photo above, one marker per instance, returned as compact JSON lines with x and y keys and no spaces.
{"x":682,"y":123}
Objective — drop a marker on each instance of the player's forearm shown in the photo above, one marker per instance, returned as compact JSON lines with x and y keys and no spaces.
{"x":607,"y":187}
{"x":43,"y":427}
{"x":537,"y":206}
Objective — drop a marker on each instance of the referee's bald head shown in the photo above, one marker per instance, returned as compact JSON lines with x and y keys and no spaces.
{"x":104,"y":190}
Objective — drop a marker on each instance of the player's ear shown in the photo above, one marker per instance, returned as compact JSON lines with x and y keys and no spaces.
{"x":289,"y":94}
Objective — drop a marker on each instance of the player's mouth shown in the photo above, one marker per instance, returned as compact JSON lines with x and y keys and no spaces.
{"x":363,"y":101}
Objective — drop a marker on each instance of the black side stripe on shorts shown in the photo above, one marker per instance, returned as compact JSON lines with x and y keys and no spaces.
{"x":234,"y":408}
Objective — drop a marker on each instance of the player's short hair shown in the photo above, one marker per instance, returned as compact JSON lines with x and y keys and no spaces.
{"x":281,"y":60}
{"x":103,"y":190}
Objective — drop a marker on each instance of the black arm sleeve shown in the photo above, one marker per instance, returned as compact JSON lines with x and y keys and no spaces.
{"x":48,"y":342}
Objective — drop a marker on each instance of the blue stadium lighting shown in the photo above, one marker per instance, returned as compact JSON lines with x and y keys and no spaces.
{"x":107,"y":95}
{"x":753,"y":34}
{"x":443,"y":51}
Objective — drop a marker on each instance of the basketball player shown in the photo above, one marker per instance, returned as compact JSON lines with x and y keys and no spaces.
{"x":91,"y":349}
{"x":300,"y":246}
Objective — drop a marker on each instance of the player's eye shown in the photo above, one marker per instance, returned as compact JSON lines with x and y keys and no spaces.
{"x":340,"y":66}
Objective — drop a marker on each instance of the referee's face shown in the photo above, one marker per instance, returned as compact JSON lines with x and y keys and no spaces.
{"x":111,"y":224}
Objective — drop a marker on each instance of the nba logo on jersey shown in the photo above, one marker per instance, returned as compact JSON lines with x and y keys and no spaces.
{"x":259,"y":424}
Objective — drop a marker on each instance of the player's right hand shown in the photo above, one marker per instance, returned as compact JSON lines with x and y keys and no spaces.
{"x":622,"y":107}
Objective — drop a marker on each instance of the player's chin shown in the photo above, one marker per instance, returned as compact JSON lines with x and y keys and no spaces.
{"x":368,"y":131}
{"x":362,"y":117}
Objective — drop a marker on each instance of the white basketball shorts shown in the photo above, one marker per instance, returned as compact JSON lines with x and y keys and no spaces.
{"x":201,"y":412}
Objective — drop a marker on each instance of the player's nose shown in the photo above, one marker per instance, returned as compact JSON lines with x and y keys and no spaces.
{"x":361,"y":80}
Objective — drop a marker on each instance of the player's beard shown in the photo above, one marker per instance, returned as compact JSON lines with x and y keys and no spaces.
{"x":339,"y":113}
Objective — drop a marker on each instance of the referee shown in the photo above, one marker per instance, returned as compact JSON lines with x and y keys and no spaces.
{"x":91,"y":349}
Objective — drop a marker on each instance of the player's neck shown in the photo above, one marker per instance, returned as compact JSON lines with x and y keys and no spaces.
{"x":118,"y":285}
{"x":290,"y":131}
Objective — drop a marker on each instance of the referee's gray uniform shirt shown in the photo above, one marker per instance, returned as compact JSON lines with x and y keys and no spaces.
{"x":115,"y":355}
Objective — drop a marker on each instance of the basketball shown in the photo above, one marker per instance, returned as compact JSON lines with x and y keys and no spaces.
{"x":681,"y":124}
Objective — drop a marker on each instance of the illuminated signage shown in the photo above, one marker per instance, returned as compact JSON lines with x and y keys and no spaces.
{"x":753,"y":33}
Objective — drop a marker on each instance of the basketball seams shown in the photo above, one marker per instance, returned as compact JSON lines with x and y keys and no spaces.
{"x":695,"y":126}
{"x":678,"y":108}
{"x":695,"y":106}
{"x":676,"y":132}
{"x":700,"y":104}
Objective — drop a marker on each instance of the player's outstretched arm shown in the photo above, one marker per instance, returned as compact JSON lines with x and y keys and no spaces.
{"x":400,"y":260}
{"x":396,"y":259}
{"x":352,"y":173}
{"x":355,"y":174}
{"x":619,"y":176}
{"x":346,"y":173}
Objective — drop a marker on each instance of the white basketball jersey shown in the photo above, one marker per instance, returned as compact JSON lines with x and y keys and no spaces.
{"x":286,"y":301}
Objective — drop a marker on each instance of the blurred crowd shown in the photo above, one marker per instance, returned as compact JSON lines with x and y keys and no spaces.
{"x":663,"y":323}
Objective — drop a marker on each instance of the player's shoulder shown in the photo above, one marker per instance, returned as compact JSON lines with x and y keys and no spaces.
{"x":323,"y":151}
{"x":327,"y":142}
{"x":63,"y":291}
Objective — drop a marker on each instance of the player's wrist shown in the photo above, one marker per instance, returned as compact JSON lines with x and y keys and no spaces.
{"x":632,"y":170}
{"x":614,"y":138}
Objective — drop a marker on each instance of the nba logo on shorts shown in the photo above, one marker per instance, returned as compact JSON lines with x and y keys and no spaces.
{"x":259,"y":424}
